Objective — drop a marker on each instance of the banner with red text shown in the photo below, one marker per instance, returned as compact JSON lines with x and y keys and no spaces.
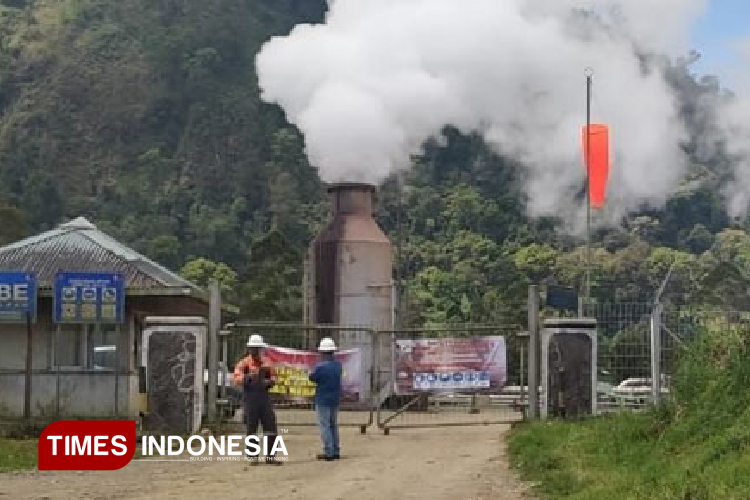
{"x":294,"y":366}
{"x":475,"y":364}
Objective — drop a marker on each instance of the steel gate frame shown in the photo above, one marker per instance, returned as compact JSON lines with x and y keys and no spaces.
{"x":385,"y":425}
{"x":243,"y":329}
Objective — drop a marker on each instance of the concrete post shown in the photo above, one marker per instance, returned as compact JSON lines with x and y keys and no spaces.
{"x":656,"y":353}
{"x":117,"y":371}
{"x":224,"y":334}
{"x":29,"y":368}
{"x":533,"y":378}
{"x":305,"y":291}
{"x":57,"y":370}
{"x":214,"y":324}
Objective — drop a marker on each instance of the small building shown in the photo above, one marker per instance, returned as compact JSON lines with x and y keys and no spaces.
{"x":82,"y":381}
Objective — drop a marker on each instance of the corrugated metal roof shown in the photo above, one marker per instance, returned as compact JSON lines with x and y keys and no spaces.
{"x":79,"y":246}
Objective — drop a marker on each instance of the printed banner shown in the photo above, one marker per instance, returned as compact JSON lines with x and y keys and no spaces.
{"x":293,"y":367}
{"x":450,"y":365}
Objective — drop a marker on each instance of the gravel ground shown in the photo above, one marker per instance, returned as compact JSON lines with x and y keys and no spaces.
{"x":443,"y":463}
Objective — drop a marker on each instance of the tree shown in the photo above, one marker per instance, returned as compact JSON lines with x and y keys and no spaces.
{"x":733,"y":245}
{"x":536,"y":261}
{"x":699,"y":239}
{"x":683,"y":266}
{"x":166,"y":250}
{"x":202,"y":272}
{"x":13,"y":225}
{"x":273,"y":287}
{"x":570,"y":270}
{"x":42,"y":201}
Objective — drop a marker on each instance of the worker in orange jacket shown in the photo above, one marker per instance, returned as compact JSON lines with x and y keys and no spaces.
{"x":255,"y":374}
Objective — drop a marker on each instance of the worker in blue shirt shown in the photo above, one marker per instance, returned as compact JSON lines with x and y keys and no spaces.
{"x":327,"y":378}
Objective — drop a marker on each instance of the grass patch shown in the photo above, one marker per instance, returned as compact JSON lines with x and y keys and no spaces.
{"x":696,"y":448}
{"x":18,"y":454}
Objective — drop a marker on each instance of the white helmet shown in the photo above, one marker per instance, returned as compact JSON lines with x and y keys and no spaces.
{"x":256,"y":341}
{"x":327,"y":345}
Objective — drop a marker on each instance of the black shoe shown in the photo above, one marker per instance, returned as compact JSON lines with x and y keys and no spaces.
{"x":273,"y":461}
{"x":327,"y":458}
{"x":336,"y":456}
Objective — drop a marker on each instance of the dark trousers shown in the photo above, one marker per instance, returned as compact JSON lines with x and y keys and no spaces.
{"x":261,"y":412}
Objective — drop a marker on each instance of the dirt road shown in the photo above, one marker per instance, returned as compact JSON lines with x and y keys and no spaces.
{"x":448,"y":463}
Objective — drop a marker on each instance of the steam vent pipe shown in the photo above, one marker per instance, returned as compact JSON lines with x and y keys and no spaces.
{"x":349,"y":272}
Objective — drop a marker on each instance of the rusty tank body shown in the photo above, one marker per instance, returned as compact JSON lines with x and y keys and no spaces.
{"x":349,"y":279}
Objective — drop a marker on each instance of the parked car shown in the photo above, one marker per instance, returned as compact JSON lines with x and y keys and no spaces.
{"x":605,"y":390}
{"x":636,"y":390}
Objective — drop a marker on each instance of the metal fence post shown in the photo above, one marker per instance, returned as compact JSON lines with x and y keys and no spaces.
{"x":117,"y":371}
{"x":29,"y":368}
{"x":375,"y":359}
{"x":522,"y":392}
{"x":533,"y":378}
{"x":57,"y":371}
{"x":214,"y":324}
{"x":392,"y":376}
{"x":224,"y":361}
{"x":656,"y":353}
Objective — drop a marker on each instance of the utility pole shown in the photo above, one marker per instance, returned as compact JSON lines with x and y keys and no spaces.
{"x":534,"y":343}
{"x":587,"y":289}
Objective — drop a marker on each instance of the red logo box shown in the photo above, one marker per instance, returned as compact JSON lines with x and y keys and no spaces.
{"x":87,"y":445}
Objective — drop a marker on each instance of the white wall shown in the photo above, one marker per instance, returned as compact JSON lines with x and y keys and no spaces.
{"x":83,"y":392}
{"x":81,"y":395}
{"x":13,"y":347}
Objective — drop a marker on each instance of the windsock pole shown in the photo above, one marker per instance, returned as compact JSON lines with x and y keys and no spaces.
{"x":587,"y":289}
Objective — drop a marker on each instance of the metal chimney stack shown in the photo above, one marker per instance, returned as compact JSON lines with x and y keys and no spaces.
{"x":349,"y":273}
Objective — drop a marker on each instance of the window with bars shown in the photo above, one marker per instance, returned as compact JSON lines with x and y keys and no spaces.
{"x":91,"y":347}
{"x":102,"y":348}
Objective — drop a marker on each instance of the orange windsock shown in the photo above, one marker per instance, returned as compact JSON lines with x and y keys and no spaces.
{"x":597,"y":162}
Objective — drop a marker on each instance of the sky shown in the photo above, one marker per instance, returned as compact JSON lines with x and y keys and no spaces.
{"x":716,"y":35}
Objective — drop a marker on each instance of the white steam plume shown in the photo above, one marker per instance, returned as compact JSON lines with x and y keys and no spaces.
{"x":734,"y":118}
{"x":369,"y":86}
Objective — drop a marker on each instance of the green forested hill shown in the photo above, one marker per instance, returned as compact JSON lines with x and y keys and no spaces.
{"x":145,"y":116}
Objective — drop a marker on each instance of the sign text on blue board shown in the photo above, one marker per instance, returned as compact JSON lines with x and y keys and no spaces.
{"x":17,"y":297}
{"x":89,"y":298}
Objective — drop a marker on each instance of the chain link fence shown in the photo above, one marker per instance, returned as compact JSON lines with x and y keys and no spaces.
{"x":465,"y":374}
{"x":624,"y":357}
{"x":626,"y":366}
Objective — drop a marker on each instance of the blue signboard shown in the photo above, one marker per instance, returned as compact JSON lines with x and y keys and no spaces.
{"x":89,"y":298}
{"x":17,"y":297}
{"x":562,"y":298}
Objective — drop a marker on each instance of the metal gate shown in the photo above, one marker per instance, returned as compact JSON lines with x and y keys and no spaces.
{"x":404,"y":402}
{"x":381,"y":392}
{"x":293,"y":395}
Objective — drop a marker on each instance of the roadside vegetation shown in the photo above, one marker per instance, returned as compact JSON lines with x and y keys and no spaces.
{"x":696,"y":447}
{"x":17,"y":454}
